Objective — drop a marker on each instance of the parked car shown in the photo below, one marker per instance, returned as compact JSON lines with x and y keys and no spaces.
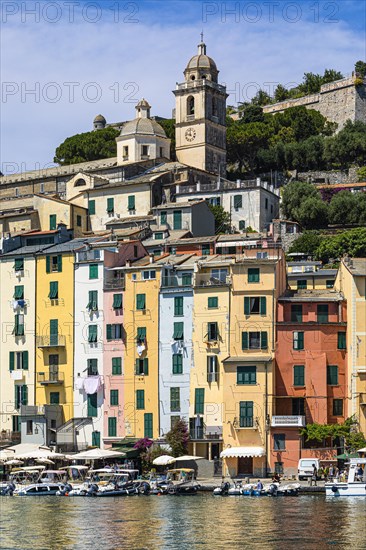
{"x":305,"y":467}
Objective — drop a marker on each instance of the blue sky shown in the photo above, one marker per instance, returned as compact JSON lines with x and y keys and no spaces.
{"x":63,"y":62}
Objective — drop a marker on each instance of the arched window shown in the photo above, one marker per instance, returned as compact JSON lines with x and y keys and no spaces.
{"x":214,"y":106}
{"x":190,"y":105}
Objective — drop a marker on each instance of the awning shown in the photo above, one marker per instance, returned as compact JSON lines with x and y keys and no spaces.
{"x":235,"y":452}
{"x":248,"y":359}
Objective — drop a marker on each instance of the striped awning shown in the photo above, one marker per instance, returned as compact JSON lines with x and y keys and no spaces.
{"x":236,"y":452}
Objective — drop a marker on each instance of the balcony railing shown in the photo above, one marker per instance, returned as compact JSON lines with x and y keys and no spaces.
{"x":288,"y":421}
{"x":208,"y":280}
{"x":205,"y":432}
{"x":53,"y":341}
{"x":9,"y":436}
{"x":88,"y":256}
{"x":50,"y":378}
{"x":174,"y":282}
{"x":114,"y":284}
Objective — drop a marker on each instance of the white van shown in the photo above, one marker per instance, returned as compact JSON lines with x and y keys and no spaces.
{"x":305,"y":467}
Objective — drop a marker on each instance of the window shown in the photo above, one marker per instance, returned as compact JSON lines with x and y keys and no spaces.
{"x":142,"y":366}
{"x":53,"y":264}
{"x":212,"y":368}
{"x":241,"y":225}
{"x":215,"y":201}
{"x":148,"y":425}
{"x":141,"y":335}
{"x":148,"y":274}
{"x":322,"y":313}
{"x":19,"y":292}
{"x":140,"y":399}
{"x":329,"y":283}
{"x":296,"y":313}
{"x":92,"y":405}
{"x":178,"y":306}
{"x":145,"y":150}
{"x":213,"y":302}
{"x":29,"y":427}
{"x":19,"y":325}
{"x":212,"y":331}
{"x":302,"y":284}
{"x":253,"y":275}
{"x":246,"y":414}
{"x":177,"y":361}
{"x":19,"y":264}
{"x":114,"y":332}
{"x":266,"y":203}
{"x":246,"y":375}
{"x":190,"y":105}
{"x":92,"y":367}
{"x":219,"y":275}
{"x":16,"y":423}
{"x":163,"y":217}
{"x":18,"y":360}
{"x":125,"y":152}
{"x":298,"y":406}
{"x":92,"y":304}
{"x":92,"y":334}
{"x":178,"y":333}
{"x":54,"y":332}
{"x":279,"y":442}
{"x":298,"y":340}
{"x":342,"y":340}
{"x":238,"y":201}
{"x":140,"y":301}
{"x":53,"y":293}
{"x":21,"y":395}
{"x":116,"y":365}
{"x":110,"y":205}
{"x":53,"y":362}
{"x":158,"y":236}
{"x":117,"y":301}
{"x":199,"y":400}
{"x":161,"y":149}
{"x":299,"y":375}
{"x":255,"y":306}
{"x":332,"y":375}
{"x":93,"y":271}
{"x":177,"y":219}
{"x":205,"y":249}
{"x":112,"y":426}
{"x":186,"y":279}
{"x":54,"y":398}
{"x":135,"y":250}
{"x":91,"y":207}
{"x":337,"y":407}
{"x":174,"y":399}
{"x":279,"y":468}
{"x":254,"y":340}
{"x":52,"y":222}
{"x":131,"y":201}
{"x":78,"y":221}
{"x":95,"y":439}
{"x":114,"y":398}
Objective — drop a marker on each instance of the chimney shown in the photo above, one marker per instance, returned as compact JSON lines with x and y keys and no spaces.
{"x":128,"y":263}
{"x":151,"y":258}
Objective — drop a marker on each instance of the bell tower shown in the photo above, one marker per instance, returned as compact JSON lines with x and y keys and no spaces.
{"x":200,"y":129}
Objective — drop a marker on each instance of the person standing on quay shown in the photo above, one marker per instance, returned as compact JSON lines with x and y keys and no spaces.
{"x":314,"y":475}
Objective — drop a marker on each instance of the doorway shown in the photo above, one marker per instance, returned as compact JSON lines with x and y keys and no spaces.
{"x":245,"y":465}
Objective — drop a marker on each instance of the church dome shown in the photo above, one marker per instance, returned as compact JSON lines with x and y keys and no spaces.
{"x":201,"y":66}
{"x":100,"y":118}
{"x":202,"y":61}
{"x":144,"y":126}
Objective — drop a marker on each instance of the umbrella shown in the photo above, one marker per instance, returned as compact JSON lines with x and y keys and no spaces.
{"x":163,"y":460}
{"x":44,"y":461}
{"x":188,"y":457}
{"x":13,"y":462}
{"x":6,"y":454}
{"x":96,"y":454}
{"x":40,"y":454}
{"x":363,"y":450}
{"x":344,"y":456}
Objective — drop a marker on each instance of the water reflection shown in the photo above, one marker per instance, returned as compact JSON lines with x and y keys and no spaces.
{"x":182,"y":523}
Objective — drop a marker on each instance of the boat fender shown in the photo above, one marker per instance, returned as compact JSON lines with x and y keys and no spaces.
{"x":334,"y":489}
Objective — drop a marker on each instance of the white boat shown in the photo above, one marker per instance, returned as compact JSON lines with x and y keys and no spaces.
{"x":38,"y":489}
{"x":355,"y":485}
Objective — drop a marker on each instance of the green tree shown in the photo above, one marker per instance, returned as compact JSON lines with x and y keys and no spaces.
{"x":89,"y":146}
{"x":261,"y":98}
{"x":168,"y":125}
{"x":351,"y":243}
{"x":178,"y":437}
{"x":252,"y":113}
{"x":244,"y":141}
{"x":361,"y":173}
{"x":148,"y":456}
{"x":307,"y":243}
{"x":281,"y":93}
{"x":343,"y":208}
{"x":330,"y":75}
{"x":222,"y":219}
{"x":360,"y":68}
{"x":348,"y":147}
{"x":293,"y":195}
{"x":312,"y":213}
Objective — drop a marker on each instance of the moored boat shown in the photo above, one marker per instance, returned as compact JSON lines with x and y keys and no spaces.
{"x":355,"y":485}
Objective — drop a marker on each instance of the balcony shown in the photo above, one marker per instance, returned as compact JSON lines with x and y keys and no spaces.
{"x":288,"y":421}
{"x":205,"y":280}
{"x":204,"y":432}
{"x":115,"y":284}
{"x":88,"y":256}
{"x":175,"y":282}
{"x":50,"y":378}
{"x":53,"y":341}
{"x":18,"y":304}
{"x":7,"y":436}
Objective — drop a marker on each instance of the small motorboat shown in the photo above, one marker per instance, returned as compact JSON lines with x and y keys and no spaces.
{"x":7,"y":489}
{"x":181,"y":482}
{"x":39,"y":489}
{"x":355,"y":485}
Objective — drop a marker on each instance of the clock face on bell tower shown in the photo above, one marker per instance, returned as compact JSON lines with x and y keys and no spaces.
{"x":190,"y":134}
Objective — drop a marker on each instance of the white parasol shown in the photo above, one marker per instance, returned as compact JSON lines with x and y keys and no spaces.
{"x":163,"y":460}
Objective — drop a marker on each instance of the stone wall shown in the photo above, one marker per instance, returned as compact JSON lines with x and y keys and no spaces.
{"x":337,"y":101}
{"x":330,"y":176}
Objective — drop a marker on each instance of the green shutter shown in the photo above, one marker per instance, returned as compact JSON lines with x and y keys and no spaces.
{"x":199,"y":400}
{"x":300,"y":340}
{"x":178,"y":331}
{"x":93,"y":300}
{"x":110,"y":205}
{"x":148,"y":425}
{"x":141,"y":334}
{"x":296,"y":313}
{"x":244,"y":340}
{"x":52,"y":222}
{"x":24,"y":395}
{"x":48,"y":264}
{"x":95,"y":437}
{"x":109,"y":332}
{"x":112,"y":426}
{"x":146,"y":366}
{"x":177,"y":360}
{"x":342,"y":340}
{"x":253,"y":275}
{"x":54,"y":398}
{"x":238,"y":201}
{"x":246,"y":375}
{"x":140,"y":399}
{"x":11,"y":360}
{"x":25,"y":360}
{"x":54,"y":332}
{"x":163,"y":218}
{"x":131,"y":202}
{"x":241,"y":225}
{"x":91,"y":208}
{"x":174,"y":399}
{"x":246,"y":305}
{"x":117,"y":301}
{"x":114,"y":398}
{"x":116,"y":365}
{"x":177,"y":219}
{"x":19,"y":292}
{"x":186,"y":279}
{"x":213,"y":302}
{"x":322,"y":313}
{"x":93,"y":271}
{"x":246,"y":414}
{"x":19,"y":327}
{"x":93,"y":404}
{"x":263,"y":305}
{"x":140,"y":301}
{"x":16,"y":396}
{"x":53,"y":293}
{"x":19,"y":264}
{"x":93,"y":333}
{"x":332,"y":375}
{"x":299,"y":375}
{"x":264,"y":340}
{"x":178,"y":306}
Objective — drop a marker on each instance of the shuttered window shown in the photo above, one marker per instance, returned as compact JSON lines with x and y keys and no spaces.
{"x":246,"y":414}
{"x":332,"y":375}
{"x":91,"y":208}
{"x":299,"y":375}
{"x":337,"y":407}
{"x":253,"y":275}
{"x":213,"y":302}
{"x":140,"y":399}
{"x":302,"y":284}
{"x":177,"y":219}
{"x":342,"y":340}
{"x":112,"y":426}
{"x":296,"y":313}
{"x":114,"y":398}
{"x":254,"y":340}
{"x":178,"y":306}
{"x":116,"y":365}
{"x":92,"y":405}
{"x":178,"y":333}
{"x":92,"y":304}
{"x":110,"y":205}
{"x":117,"y":301}
{"x":54,"y":398}
{"x":177,"y":360}
{"x":19,"y":264}
{"x":212,"y":368}
{"x":53,"y":293}
{"x":163,"y":217}
{"x":199,"y":400}
{"x":95,"y":439}
{"x":52,"y":222}
{"x":92,"y":367}
{"x":140,"y":301}
{"x":174,"y":399}
{"x":187,"y":279}
{"x":141,"y":334}
{"x":93,"y":271}
{"x":19,"y":292}
{"x":142,"y":366}
{"x":114,"y":332}
{"x":238,"y":201}
{"x":131,"y":202}
{"x":322,"y":313}
{"x":298,"y":341}
{"x":148,"y":425}
{"x":246,"y":375}
{"x":93,"y":333}
{"x":256,"y":305}
{"x":19,"y":325}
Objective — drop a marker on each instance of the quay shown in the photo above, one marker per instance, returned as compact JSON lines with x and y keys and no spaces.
{"x":208,"y":485}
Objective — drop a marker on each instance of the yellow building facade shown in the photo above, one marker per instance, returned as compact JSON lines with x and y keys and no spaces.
{"x":141,"y":361}
{"x":55,"y":328}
